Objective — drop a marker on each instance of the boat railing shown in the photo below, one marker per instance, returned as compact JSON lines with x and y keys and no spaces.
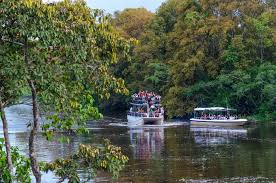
{"x":141,"y":100}
{"x":216,"y":117}
{"x":155,"y":114}
{"x":137,"y":114}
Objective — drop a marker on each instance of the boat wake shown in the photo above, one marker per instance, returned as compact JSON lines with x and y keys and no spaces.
{"x":165,"y":124}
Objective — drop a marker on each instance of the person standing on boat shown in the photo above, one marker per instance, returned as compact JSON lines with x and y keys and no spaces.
{"x":162,"y":110}
{"x":152,"y":109}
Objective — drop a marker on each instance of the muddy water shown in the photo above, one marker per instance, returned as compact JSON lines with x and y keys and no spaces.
{"x":176,"y":152}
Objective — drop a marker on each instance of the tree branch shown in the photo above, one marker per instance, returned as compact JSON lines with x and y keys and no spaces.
{"x":13,"y":42}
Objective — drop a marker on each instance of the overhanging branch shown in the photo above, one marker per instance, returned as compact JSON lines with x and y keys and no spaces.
{"x":13,"y":42}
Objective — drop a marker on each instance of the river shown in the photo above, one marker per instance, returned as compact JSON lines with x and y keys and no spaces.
{"x":176,"y":152}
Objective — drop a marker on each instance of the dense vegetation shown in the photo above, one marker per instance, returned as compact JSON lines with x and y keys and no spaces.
{"x":204,"y":53}
{"x":61,"y":53}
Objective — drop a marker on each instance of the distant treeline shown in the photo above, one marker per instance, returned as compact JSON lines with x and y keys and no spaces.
{"x":202,"y":53}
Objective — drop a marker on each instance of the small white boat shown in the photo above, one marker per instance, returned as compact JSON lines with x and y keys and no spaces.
{"x":141,"y":114}
{"x":216,"y":116}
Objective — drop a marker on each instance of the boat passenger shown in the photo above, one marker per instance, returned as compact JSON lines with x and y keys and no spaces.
{"x":156,"y":114}
{"x":204,"y":116}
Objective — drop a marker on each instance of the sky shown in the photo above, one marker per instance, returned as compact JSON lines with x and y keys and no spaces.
{"x":112,"y":5}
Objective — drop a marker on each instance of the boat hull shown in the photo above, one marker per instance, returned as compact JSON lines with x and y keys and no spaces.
{"x":153,"y":120}
{"x":234,"y":122}
{"x":139,"y":121}
{"x":135,"y":121}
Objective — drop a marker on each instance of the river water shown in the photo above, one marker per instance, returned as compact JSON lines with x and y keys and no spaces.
{"x":176,"y":152}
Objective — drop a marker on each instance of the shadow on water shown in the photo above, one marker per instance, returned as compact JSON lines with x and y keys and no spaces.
{"x":175,"y":152}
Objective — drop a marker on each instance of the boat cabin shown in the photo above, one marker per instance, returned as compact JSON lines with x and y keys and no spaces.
{"x":215,"y":113}
{"x":139,"y":110}
{"x":216,"y":116}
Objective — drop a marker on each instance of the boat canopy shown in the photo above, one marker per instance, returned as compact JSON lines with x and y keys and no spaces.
{"x":213,"y":109}
{"x":142,"y":104}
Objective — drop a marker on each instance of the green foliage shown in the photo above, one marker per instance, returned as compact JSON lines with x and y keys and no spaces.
{"x":211,"y":54}
{"x":71,"y":49}
{"x":157,"y":75}
{"x":4,"y":171}
{"x":21,"y":164}
{"x":10,"y":78}
{"x":63,"y":52}
{"x":90,"y":160}
{"x":132,"y":22}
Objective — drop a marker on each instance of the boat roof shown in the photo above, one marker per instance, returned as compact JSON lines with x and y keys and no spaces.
{"x":139,"y":104}
{"x":145,"y":104}
{"x":213,"y":109}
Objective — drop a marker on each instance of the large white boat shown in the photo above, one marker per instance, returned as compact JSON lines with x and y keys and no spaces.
{"x":214,"y":116}
{"x":145,"y":112}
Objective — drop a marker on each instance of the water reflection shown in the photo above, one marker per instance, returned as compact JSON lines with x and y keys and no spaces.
{"x":207,"y":136}
{"x":46,"y":150}
{"x":147,"y":143}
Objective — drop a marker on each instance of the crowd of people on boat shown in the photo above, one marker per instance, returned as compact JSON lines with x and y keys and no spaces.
{"x":147,"y":96}
{"x":156,"y":111}
{"x":153,"y":101}
{"x":217,"y":117}
{"x":152,"y":112}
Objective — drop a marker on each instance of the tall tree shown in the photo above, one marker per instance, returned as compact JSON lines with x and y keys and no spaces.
{"x":208,"y":37}
{"x":10,"y":88}
{"x":190,"y":48}
{"x":67,"y":49}
{"x":149,"y":69}
{"x":132,"y":22}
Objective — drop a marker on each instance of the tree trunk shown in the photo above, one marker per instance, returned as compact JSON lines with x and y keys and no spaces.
{"x":6,"y":137}
{"x":35,"y":125}
{"x":32,"y":155}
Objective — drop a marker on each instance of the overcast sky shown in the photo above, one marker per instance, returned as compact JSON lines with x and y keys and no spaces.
{"x":112,"y":5}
